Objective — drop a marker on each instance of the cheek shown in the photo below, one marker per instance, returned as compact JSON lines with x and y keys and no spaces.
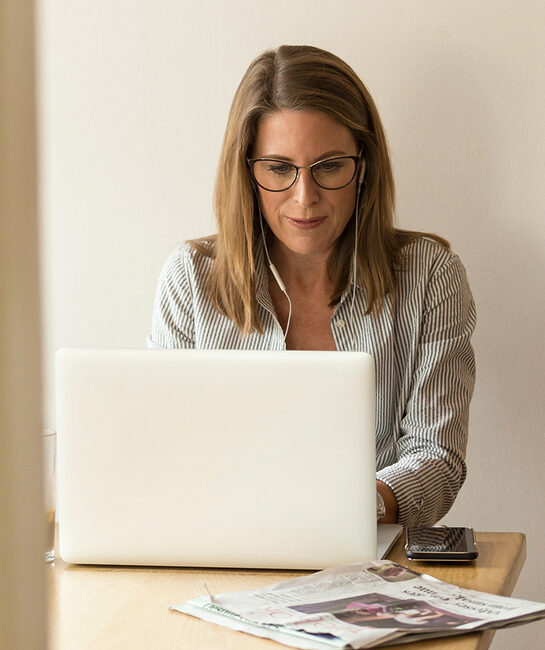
{"x":345,"y":204}
{"x":270,"y":203}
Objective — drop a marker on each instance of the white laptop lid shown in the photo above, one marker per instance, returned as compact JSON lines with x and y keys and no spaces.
{"x":216,"y":458}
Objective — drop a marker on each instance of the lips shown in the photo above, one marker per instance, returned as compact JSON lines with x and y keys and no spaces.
{"x":306,"y":224}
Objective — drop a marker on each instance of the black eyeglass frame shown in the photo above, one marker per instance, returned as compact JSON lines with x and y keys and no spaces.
{"x":252,"y":161}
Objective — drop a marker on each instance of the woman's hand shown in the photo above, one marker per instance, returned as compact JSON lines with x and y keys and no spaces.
{"x":390,"y":503}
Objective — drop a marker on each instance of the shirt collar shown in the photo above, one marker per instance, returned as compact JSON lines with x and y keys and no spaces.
{"x":261,"y":277}
{"x":349,"y":287}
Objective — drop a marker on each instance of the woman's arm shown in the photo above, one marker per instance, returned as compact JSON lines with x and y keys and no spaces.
{"x":433,"y":432}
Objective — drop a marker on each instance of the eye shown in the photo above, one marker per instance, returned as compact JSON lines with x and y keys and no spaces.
{"x":279,"y":169}
{"x":330,"y":166}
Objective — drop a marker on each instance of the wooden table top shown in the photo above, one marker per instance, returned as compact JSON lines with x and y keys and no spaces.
{"x":107,"y":608}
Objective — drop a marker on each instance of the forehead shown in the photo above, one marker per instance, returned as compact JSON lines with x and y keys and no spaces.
{"x":302,"y":136}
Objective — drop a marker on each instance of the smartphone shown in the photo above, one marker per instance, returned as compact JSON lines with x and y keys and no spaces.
{"x":440,"y":543}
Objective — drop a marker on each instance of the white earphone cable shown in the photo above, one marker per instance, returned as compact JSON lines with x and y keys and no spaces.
{"x":274,"y":271}
{"x":355,"y":256}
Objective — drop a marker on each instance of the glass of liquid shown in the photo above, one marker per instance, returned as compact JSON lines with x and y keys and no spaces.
{"x":49,"y":444}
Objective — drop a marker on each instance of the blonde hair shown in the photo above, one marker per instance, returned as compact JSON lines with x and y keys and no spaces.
{"x":302,"y":78}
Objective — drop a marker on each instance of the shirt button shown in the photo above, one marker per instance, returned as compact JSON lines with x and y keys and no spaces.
{"x":340,"y":323}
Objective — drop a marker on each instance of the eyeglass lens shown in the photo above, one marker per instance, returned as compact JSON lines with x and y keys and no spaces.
{"x":277,"y":175}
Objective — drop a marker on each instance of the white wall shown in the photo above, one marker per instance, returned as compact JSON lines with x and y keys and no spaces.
{"x":135,"y":98}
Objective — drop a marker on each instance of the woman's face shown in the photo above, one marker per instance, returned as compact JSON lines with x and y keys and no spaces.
{"x":305,"y":219}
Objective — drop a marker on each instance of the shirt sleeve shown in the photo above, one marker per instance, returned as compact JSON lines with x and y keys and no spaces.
{"x":432,"y":439}
{"x":173,"y":321}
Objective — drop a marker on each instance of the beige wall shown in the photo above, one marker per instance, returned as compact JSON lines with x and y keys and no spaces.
{"x":22,"y":584}
{"x":134,"y":103}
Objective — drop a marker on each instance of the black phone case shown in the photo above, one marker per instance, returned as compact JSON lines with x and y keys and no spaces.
{"x":441,"y":556}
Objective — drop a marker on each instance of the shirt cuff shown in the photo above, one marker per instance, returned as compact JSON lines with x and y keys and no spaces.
{"x":407,"y":490}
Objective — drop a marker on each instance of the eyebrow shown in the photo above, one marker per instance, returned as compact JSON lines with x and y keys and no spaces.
{"x":323,"y":156}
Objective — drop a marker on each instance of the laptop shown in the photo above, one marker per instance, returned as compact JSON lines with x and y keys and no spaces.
{"x":241,"y":459}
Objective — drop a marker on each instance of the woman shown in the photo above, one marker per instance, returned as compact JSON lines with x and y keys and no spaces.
{"x":307,"y":257}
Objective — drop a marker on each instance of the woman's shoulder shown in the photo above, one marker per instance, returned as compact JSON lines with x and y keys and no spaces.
{"x":193,"y":256}
{"x":429,"y":268}
{"x":425,"y":255}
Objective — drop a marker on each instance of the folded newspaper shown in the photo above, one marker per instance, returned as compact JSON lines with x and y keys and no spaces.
{"x":362,"y":605}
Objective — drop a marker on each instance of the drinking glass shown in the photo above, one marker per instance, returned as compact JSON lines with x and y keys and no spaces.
{"x":49,"y":443}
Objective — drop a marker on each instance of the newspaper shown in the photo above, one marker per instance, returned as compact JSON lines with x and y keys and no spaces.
{"x":361,"y":605}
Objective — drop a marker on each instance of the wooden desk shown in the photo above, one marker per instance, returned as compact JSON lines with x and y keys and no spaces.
{"x":107,"y":608}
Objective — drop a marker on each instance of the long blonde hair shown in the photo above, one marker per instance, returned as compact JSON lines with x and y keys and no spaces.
{"x":302,"y":78}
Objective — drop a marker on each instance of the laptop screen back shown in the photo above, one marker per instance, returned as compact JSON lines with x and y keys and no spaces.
{"x":216,"y":458}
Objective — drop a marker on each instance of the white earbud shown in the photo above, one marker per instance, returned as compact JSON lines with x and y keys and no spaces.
{"x":362,"y":174}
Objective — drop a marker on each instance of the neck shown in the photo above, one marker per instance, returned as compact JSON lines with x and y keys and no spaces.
{"x":305,"y":272}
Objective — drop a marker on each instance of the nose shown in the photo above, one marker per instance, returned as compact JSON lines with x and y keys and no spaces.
{"x":305,"y":191}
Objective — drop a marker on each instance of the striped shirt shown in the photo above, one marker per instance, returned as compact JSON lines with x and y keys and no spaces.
{"x":425,"y":367}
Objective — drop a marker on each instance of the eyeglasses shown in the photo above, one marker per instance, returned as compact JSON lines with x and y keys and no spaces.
{"x":278,"y":175}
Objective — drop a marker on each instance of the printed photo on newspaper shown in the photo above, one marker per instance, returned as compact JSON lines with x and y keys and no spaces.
{"x":361,"y":605}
